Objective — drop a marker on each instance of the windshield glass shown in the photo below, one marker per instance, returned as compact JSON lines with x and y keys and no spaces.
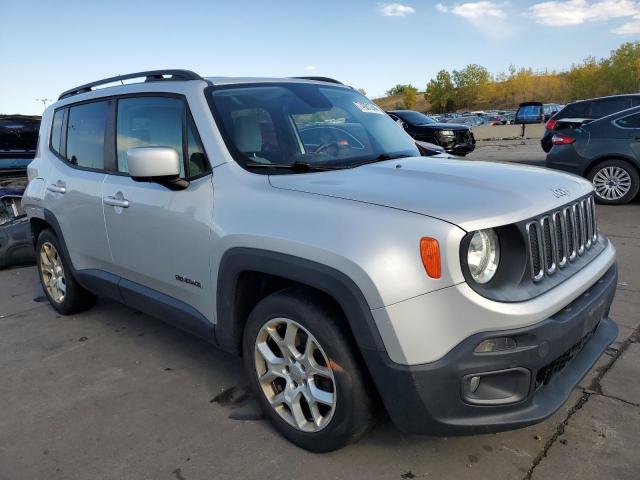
{"x":416,"y":118}
{"x":289,"y":123}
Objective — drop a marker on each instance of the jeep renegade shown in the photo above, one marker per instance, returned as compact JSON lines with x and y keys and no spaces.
{"x":292,"y":222}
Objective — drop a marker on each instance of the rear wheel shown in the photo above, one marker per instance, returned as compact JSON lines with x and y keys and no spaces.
{"x":64,"y":293}
{"x":304,"y":372}
{"x":614,"y":181}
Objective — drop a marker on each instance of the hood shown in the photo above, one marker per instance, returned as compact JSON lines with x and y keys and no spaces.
{"x":467,"y":193}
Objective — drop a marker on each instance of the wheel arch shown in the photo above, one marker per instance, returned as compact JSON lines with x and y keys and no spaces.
{"x":603,"y":158}
{"x":246,"y":275}
{"x":49,"y":221}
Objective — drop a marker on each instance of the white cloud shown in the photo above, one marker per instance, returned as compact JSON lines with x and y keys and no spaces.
{"x":442,"y":8}
{"x":479,"y":10}
{"x":310,"y":68}
{"x":576,"y":12}
{"x":629,"y":28}
{"x":490,"y":18}
{"x":395,"y":9}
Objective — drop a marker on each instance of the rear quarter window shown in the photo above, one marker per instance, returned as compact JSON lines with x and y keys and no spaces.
{"x":56,"y":130}
{"x":632,"y":121}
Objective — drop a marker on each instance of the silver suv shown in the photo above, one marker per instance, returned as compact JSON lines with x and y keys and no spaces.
{"x":292,"y":222}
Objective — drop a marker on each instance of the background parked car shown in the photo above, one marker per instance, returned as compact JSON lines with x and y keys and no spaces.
{"x":580,"y":112}
{"x":606,"y":151}
{"x":495,"y":119}
{"x":454,"y":138}
{"x":18,"y":142}
{"x":468,"y":120}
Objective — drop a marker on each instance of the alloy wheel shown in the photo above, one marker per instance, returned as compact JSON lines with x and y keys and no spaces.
{"x":612,"y":183}
{"x":294,"y":374}
{"x":52,"y":272}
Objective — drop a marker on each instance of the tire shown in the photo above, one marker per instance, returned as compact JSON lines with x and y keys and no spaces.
{"x":306,"y":312}
{"x":625,"y":176}
{"x":64,"y":293}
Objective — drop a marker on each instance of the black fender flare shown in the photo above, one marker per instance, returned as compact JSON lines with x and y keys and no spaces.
{"x":334,"y":283}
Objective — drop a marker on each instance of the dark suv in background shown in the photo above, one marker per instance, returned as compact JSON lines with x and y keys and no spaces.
{"x":454,"y":138}
{"x":584,"y":111}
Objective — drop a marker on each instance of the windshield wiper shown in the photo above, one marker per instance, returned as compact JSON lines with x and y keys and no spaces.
{"x":383,"y":157}
{"x":295,"y":166}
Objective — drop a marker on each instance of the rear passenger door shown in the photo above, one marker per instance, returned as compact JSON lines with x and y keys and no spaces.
{"x":161,"y":240}
{"x":630,"y":127}
{"x":74,"y":188}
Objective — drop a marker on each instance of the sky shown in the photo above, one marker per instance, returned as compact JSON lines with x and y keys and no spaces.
{"x":47,"y":47}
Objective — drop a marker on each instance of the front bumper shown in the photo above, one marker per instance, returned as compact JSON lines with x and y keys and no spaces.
{"x":461,"y":149}
{"x":551,"y":357}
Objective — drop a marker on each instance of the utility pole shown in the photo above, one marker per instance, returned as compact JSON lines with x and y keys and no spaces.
{"x":44,"y":101}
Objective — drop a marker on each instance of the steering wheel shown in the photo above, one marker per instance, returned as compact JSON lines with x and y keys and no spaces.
{"x":337,"y":146}
{"x":326,"y":146}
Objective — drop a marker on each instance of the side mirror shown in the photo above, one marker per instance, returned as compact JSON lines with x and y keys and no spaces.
{"x":156,"y":164}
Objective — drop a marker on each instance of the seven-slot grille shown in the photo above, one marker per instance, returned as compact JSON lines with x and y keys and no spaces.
{"x":560,"y":237}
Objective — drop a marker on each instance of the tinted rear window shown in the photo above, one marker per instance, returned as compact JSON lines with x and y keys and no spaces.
{"x":607,"y":106}
{"x":575,"y":110}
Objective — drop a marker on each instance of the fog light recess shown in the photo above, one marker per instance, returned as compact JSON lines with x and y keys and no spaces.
{"x":498,"y":344}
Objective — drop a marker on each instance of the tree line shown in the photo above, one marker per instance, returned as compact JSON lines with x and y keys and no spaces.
{"x":474,"y":88}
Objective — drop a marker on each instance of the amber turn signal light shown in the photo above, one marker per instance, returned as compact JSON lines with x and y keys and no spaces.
{"x":430,"y":253}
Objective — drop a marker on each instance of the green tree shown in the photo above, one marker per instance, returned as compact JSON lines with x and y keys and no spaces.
{"x":440,"y":92}
{"x":468,"y":83}
{"x":410,"y":96}
{"x":362,"y":91}
{"x":397,"y":90}
{"x":622,"y":69}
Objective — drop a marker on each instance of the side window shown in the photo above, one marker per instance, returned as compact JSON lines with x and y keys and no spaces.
{"x":632,"y":121}
{"x":149,"y":122}
{"x":56,"y":130}
{"x":635,"y":100}
{"x":85,"y":134}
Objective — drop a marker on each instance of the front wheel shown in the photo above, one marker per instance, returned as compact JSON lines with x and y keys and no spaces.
{"x":303,"y":370}
{"x":615,"y":182}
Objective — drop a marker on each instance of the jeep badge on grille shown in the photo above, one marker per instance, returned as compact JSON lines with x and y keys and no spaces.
{"x":559,"y":192}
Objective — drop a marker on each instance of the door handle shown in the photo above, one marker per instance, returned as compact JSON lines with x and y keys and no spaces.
{"x":56,"y":188}
{"x":116,"y":202}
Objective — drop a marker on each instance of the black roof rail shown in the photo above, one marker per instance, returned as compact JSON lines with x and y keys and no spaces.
{"x":321,"y":79}
{"x":150,"y":76}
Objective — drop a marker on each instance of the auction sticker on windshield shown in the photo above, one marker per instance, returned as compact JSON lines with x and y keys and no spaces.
{"x":368,"y":107}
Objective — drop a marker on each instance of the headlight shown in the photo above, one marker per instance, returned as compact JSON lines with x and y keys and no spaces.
{"x":483,"y":255}
{"x":447,"y":133}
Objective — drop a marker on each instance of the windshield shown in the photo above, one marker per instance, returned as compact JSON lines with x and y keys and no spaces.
{"x":416,"y":118}
{"x":299,"y":123}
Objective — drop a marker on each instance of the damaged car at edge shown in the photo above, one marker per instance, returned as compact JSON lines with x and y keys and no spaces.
{"x":18,"y":144}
